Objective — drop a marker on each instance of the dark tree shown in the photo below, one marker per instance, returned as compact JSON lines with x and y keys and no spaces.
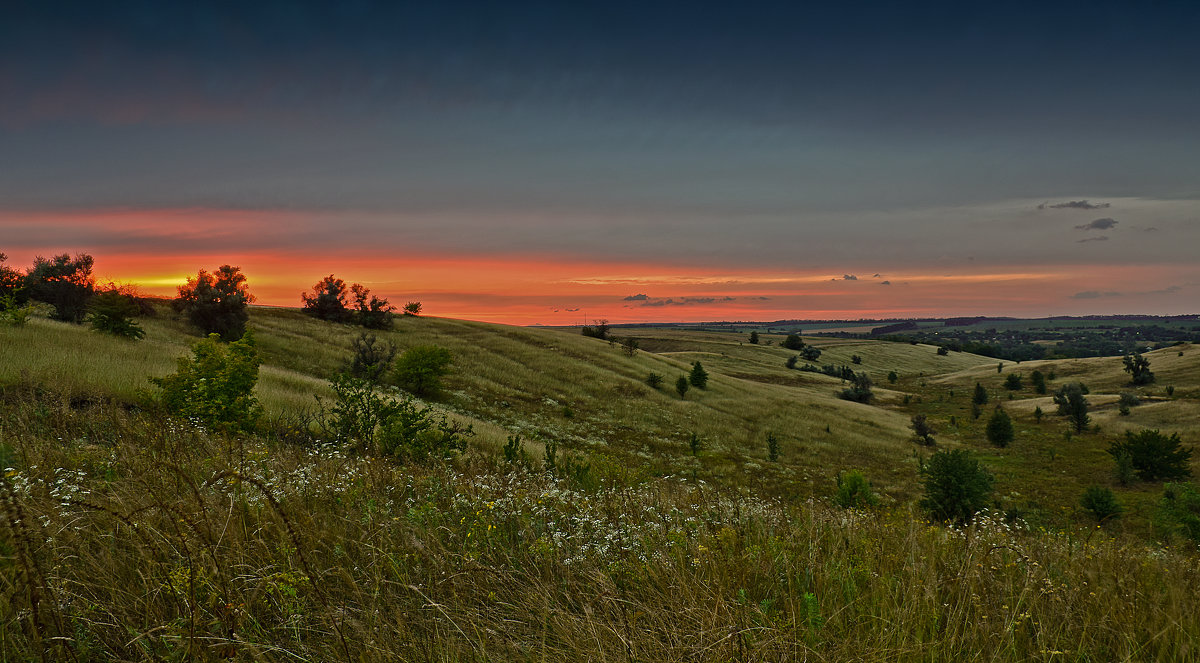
{"x":63,"y":282}
{"x":681,"y":386}
{"x":855,"y":359}
{"x":810,"y":353}
{"x":1039,"y":382}
{"x":1154,"y":456}
{"x":942,"y":352}
{"x":12,"y":283}
{"x":112,"y":312}
{"x":791,"y":361}
{"x":754,"y":337}
{"x":600,"y":330}
{"x":1000,"y":429}
{"x":420,"y":369}
{"x":216,"y":303}
{"x":327,"y":301}
{"x":373,"y":312}
{"x":1073,"y":405}
{"x":1013,"y":382}
{"x":1101,"y":503}
{"x":629,"y":345}
{"x":892,"y":377}
{"x":981,"y":396}
{"x":370,"y":359}
{"x":1138,"y":368}
{"x":772,"y":448}
{"x":698,"y":377}
{"x":860,"y":388}
{"x":922,"y":430}
{"x":412,"y":309}
{"x":654,"y":380}
{"x":956,"y":486}
{"x":793,"y":342}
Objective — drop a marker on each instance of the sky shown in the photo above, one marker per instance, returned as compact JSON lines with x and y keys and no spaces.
{"x":557,"y":163}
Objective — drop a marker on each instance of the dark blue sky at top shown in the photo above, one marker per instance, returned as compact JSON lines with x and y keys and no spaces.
{"x":596,"y":110}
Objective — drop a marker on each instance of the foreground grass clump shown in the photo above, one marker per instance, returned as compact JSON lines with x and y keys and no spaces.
{"x":131,"y":537}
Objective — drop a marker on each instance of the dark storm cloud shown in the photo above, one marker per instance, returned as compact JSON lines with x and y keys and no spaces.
{"x":1098,"y":224}
{"x":1075,"y":204}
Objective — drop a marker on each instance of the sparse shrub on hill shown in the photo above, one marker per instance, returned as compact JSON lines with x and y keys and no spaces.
{"x":922,"y":430}
{"x":1000,"y":429}
{"x":791,"y":361}
{"x":754,"y":338}
{"x":810,"y":353}
{"x":215,"y":386}
{"x":1138,"y":368}
{"x":63,"y":282}
{"x":1072,"y":405}
{"x":328,"y":300}
{"x":600,"y":330}
{"x":1154,"y":456}
{"x":860,"y":389}
{"x":980,"y":397}
{"x":892,"y":377}
{"x":379,"y":424}
{"x":854,"y":491}
{"x":941,"y":351}
{"x":956,"y":486}
{"x":421,"y":368}
{"x":1039,"y":382}
{"x":654,"y":380}
{"x":216,"y":303}
{"x":370,"y":360}
{"x":698,"y":378}
{"x":629,"y":346}
{"x":412,"y":309}
{"x":1101,"y":503}
{"x":373,"y":312}
{"x":682,"y":385}
{"x":855,"y":359}
{"x":793,"y":342}
{"x":772,"y":448}
{"x":112,"y":312}
{"x":1013,"y":382}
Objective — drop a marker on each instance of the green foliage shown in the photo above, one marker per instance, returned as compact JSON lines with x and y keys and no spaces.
{"x":1123,"y":470}
{"x":754,"y":337}
{"x":682,"y":385}
{"x":63,"y":282}
{"x":1101,"y":503}
{"x":371,"y":422}
{"x":600,"y":330}
{"x":922,"y":430}
{"x":791,"y":361}
{"x":1073,"y":405}
{"x":654,"y":380}
{"x":327,"y":301}
{"x":214,"y":386}
{"x":370,"y":359}
{"x":772,"y":448}
{"x":956,"y":486}
{"x":854,"y":491}
{"x":514,"y":450}
{"x":892,"y":377}
{"x":1000,"y":429}
{"x":112,"y":312}
{"x":358,"y":410}
{"x":793,"y":342}
{"x":1170,"y":390}
{"x":810,"y":353}
{"x":860,"y":389}
{"x":942,"y":351}
{"x":1179,"y":512}
{"x":1039,"y":382}
{"x":216,"y":303}
{"x":12,"y":284}
{"x":421,"y":368}
{"x":999,"y":367}
{"x":980,"y":397}
{"x":1038,"y":414}
{"x":12,"y":312}
{"x":855,"y":359}
{"x":694,"y":444}
{"x":373,"y":312}
{"x":1153,"y":455}
{"x":629,"y":345}
{"x":1013,"y":382}
{"x":412,"y":309}
{"x":698,"y":377}
{"x":1138,"y":368}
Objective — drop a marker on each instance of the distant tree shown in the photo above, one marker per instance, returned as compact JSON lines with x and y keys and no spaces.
{"x":215,"y":386}
{"x":654,"y":380}
{"x":412,"y":309}
{"x":980,"y":396}
{"x":999,"y":367}
{"x":942,"y":352}
{"x":855,"y":359}
{"x":698,"y":377}
{"x":1000,"y":429}
{"x":421,"y":368}
{"x":860,"y":388}
{"x":1013,"y":382}
{"x":791,"y":361}
{"x":1073,"y":405}
{"x":629,"y":345}
{"x":956,"y":486}
{"x":693,"y":441}
{"x":63,"y":282}
{"x":1154,"y":456}
{"x":681,"y":386}
{"x":810,"y":353}
{"x":12,"y":283}
{"x":1039,"y":382}
{"x":754,"y":337}
{"x":1138,"y":367}
{"x":112,"y":312}
{"x":1038,"y":414}
{"x":370,"y":360}
{"x":922,"y":430}
{"x":892,"y":377}
{"x":793,"y":342}
{"x":373,"y":312}
{"x":327,"y":301}
{"x":1101,"y":503}
{"x":772,"y":448}
{"x":600,"y":330}
{"x":216,"y":303}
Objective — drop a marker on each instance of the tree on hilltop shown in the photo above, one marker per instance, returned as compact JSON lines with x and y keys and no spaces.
{"x":216,"y":303}
{"x":63,"y":282}
{"x":327,"y":301}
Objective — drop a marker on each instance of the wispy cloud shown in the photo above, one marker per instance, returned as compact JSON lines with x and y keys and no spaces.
{"x":1098,"y":224}
{"x":637,"y":298}
{"x":1075,"y":204}
{"x":1095,"y":294}
{"x":1101,"y":238}
{"x":885,"y":283}
{"x":686,"y":301}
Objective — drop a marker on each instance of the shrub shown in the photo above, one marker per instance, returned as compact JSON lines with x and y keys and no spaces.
{"x":1153,"y":455}
{"x":1101,"y":503}
{"x":860,"y":389}
{"x":1073,"y":405}
{"x":754,"y":337}
{"x":373,"y":312}
{"x":980,"y":397}
{"x":358,"y":410}
{"x":854,"y":491}
{"x":1138,"y":368}
{"x":772,"y":447}
{"x":1013,"y":382}
{"x":112,"y":312}
{"x":12,"y":312}
{"x":412,"y":432}
{"x":1179,"y":511}
{"x":63,"y":282}
{"x":793,"y":342}
{"x":855,"y":359}
{"x":216,"y":303}
{"x":694,"y":443}
{"x":1129,"y":399}
{"x":942,"y":352}
{"x":1123,"y":470}
{"x":600,"y":330}
{"x":421,"y":368}
{"x":1038,"y":414}
{"x":12,"y":284}
{"x":412,"y":309}
{"x":809,"y":353}
{"x":215,"y":386}
{"x":698,"y":377}
{"x":654,"y":380}
{"x":1000,"y":429}
{"x":1039,"y":382}
{"x":681,"y":386}
{"x":892,"y":377}
{"x":956,"y":486}
{"x":791,"y":361}
{"x":630,"y":346}
{"x":922,"y":430}
{"x":514,"y":450}
{"x":327,"y":301}
{"x":370,"y":359}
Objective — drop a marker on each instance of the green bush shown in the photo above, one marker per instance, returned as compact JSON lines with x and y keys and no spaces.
{"x":654,"y":380}
{"x":854,"y":491}
{"x":772,"y":448}
{"x":215,"y":386}
{"x":980,"y":397}
{"x":956,"y":486}
{"x":1000,"y":429}
{"x":112,"y":312}
{"x":681,"y":386}
{"x":698,"y":378}
{"x":371,"y":422}
{"x":793,"y":342}
{"x":1101,"y":503}
{"x":12,"y":311}
{"x":791,"y":361}
{"x":892,"y":377}
{"x":421,"y":368}
{"x":860,"y":389}
{"x":1153,"y":455}
{"x":1013,"y":382}
{"x":216,"y":303}
{"x":65,"y":283}
{"x":1179,"y":512}
{"x":370,"y":359}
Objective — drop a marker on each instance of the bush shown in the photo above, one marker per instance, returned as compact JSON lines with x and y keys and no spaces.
{"x":860,"y":389}
{"x":942,"y":352}
{"x":1101,"y":503}
{"x":1013,"y":382}
{"x":63,"y":282}
{"x":1000,"y":429}
{"x":1039,"y":382}
{"x":793,"y":342}
{"x":1073,"y":405}
{"x":1138,"y":368}
{"x":373,"y":312}
{"x":1179,"y":511}
{"x":654,"y":380}
{"x":216,"y":303}
{"x":629,"y":345}
{"x":892,"y":377}
{"x":215,"y":386}
{"x":421,"y":368}
{"x":370,"y":360}
{"x":754,"y":338}
{"x":855,"y":359}
{"x":12,"y":284}
{"x":112,"y":312}
{"x":809,"y":353}
{"x":600,"y":330}
{"x":698,"y":377}
{"x":854,"y":491}
{"x":980,"y":397}
{"x":1153,"y":455}
{"x":956,"y":486}
{"x":374,"y":423}
{"x":327,"y":301}
{"x":412,"y":309}
{"x":922,"y":430}
{"x":681,"y":386}
{"x":12,"y":312}
{"x":772,"y":447}
{"x":791,"y":361}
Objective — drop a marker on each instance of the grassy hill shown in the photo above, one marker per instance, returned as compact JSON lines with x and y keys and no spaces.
{"x":132,"y":536}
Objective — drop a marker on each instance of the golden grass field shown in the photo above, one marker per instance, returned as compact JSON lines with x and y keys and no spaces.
{"x":132,"y":536}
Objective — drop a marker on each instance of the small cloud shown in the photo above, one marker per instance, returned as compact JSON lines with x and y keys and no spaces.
{"x":637,"y":298}
{"x":1171,"y":289}
{"x":1101,"y":238}
{"x":1094,"y":294}
{"x":1151,"y":229}
{"x":572,"y":310}
{"x":687,"y":301}
{"x":1098,"y":224}
{"x":1075,"y":204}
{"x":876,"y":275}
{"x":849,"y":277}
{"x":885,"y":283}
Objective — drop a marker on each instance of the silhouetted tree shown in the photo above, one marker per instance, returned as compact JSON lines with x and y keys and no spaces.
{"x":12,"y":283}
{"x":327,"y":301}
{"x":793,"y":342}
{"x":373,"y":312}
{"x":412,"y":309}
{"x":63,"y":282}
{"x":1000,"y":429}
{"x":1073,"y":405}
{"x":698,"y":377}
{"x":754,"y":337}
{"x":600,"y":330}
{"x":1138,"y":368}
{"x":420,"y":369}
{"x":216,"y":303}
